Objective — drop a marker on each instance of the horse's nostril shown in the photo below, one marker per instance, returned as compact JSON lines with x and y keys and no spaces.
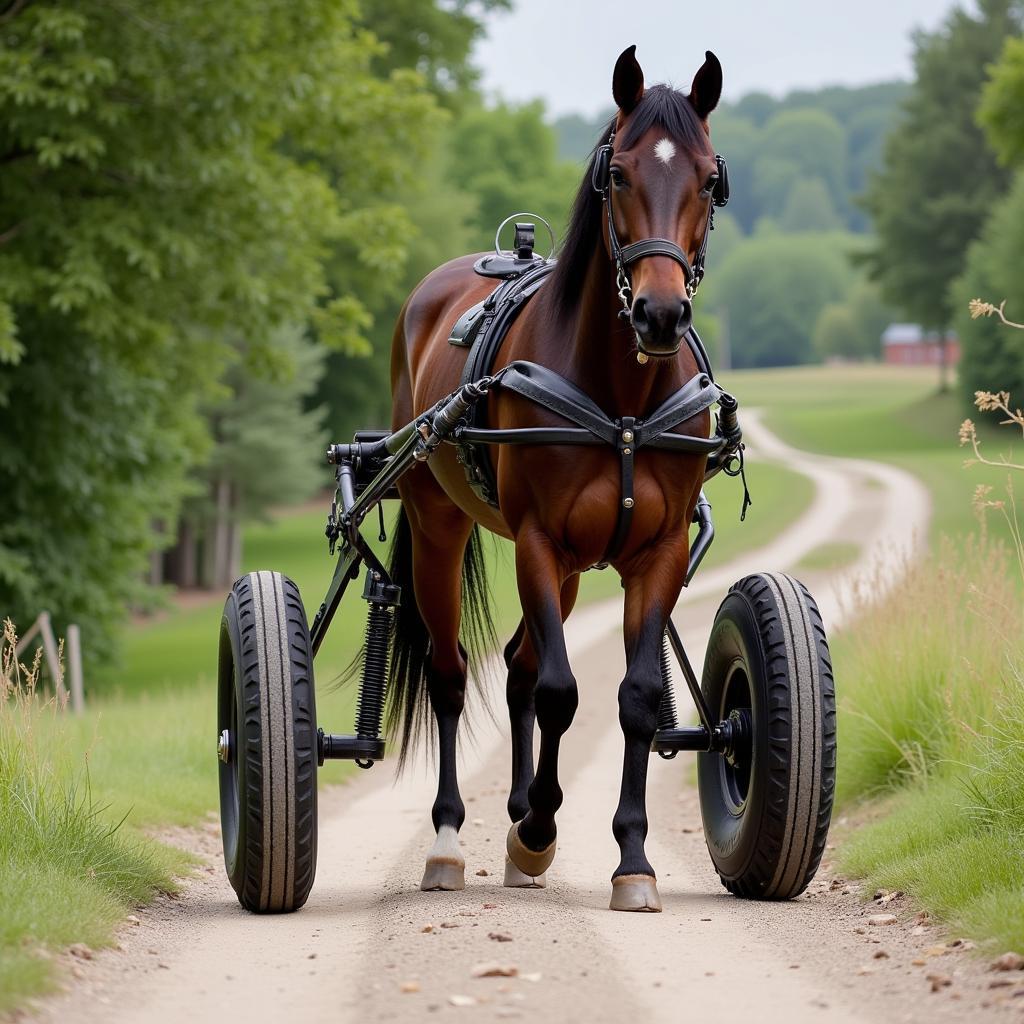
{"x":640,"y":320}
{"x":685,"y":316}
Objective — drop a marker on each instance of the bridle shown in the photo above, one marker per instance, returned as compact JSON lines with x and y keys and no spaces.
{"x":624,"y":256}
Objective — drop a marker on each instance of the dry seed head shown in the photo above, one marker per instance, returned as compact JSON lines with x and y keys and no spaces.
{"x":988,"y":401}
{"x":979,"y":308}
{"x":967,"y":432}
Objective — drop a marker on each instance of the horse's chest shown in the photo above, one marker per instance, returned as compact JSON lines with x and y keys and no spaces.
{"x":576,"y":495}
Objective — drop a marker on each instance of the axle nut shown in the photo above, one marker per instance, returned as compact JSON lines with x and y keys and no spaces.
{"x":224,"y":746}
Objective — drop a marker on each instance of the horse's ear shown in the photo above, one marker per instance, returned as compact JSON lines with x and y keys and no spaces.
{"x":627,"y":81}
{"x":707,"y":86}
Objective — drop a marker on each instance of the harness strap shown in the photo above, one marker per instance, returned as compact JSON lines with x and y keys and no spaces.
{"x":693,"y":397}
{"x":560,"y":396}
{"x":626,"y":446}
{"x":629,"y":254}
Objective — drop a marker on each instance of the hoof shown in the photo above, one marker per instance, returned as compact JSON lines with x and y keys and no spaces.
{"x":515,"y":879}
{"x":444,"y":875}
{"x":529,"y":862}
{"x":636,"y":893}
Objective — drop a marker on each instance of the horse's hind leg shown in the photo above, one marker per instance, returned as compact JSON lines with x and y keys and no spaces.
{"x":522,"y":680}
{"x":440,"y":532}
{"x":531,"y":841}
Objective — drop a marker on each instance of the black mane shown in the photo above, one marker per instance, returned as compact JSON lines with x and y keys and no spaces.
{"x":662,"y":107}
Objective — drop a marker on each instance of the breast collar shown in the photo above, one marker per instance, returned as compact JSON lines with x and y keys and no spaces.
{"x":591,"y":425}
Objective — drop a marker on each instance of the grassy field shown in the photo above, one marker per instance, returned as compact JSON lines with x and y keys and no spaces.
{"x":892,"y":414}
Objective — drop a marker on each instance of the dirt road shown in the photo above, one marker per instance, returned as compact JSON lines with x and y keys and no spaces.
{"x":369,"y":946}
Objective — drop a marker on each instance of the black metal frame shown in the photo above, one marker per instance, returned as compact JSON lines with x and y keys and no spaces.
{"x":367,"y":471}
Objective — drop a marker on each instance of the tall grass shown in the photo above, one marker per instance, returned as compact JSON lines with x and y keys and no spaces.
{"x":922,"y":672}
{"x":67,"y":871}
{"x":932,"y":710}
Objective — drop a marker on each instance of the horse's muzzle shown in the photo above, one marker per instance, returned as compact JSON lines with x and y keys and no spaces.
{"x":660,"y":324}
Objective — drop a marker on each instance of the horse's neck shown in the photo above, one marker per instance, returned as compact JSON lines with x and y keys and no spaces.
{"x":598,"y":350}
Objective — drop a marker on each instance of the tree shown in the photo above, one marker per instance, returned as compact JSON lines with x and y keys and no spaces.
{"x":1001,"y":112}
{"x":993,"y":357}
{"x":940,"y":176}
{"x":852,"y":328}
{"x":164,"y":192}
{"x":814,"y":142}
{"x":508,"y":160}
{"x":434,"y":38}
{"x":772,"y":288}
{"x":267,"y":451}
{"x":808,"y":207}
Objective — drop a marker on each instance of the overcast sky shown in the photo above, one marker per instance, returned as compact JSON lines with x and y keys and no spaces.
{"x":564,"y":50}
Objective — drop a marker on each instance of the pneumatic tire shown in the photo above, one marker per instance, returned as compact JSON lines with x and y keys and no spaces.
{"x":267,"y":714}
{"x":766,"y":806}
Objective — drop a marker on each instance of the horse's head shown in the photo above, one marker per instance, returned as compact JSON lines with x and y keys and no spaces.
{"x":660,"y":178}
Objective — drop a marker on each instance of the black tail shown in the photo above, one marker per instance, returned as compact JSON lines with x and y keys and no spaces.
{"x":408,"y":705}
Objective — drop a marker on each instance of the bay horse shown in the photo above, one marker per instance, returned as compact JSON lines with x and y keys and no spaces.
{"x":561,"y":505}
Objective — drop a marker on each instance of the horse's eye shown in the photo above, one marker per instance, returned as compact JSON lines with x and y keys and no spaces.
{"x":710,"y":186}
{"x":617,"y":177}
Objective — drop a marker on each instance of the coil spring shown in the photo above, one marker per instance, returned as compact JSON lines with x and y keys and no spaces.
{"x":667,"y":718}
{"x":373,"y":688}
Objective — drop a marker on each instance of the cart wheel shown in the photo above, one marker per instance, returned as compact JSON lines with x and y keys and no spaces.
{"x":767,"y":802}
{"x":267,"y":744}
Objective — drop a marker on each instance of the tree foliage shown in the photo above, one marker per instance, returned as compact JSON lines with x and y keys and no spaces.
{"x":993,"y":358}
{"x":431,"y":38}
{"x":1001,"y":112}
{"x":833,"y":134}
{"x":852,"y":328}
{"x":774,"y":288}
{"x":940,"y":176}
{"x":174,"y":176}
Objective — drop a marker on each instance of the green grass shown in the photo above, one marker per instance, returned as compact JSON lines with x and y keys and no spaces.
{"x":954,"y":841}
{"x":830,"y":556}
{"x":68,"y":872}
{"x":931,"y":709}
{"x":931,"y":697}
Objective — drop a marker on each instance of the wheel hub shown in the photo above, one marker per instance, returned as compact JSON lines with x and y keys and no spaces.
{"x":737,"y":737}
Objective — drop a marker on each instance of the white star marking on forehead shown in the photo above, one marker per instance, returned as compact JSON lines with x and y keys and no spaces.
{"x":664,"y":150}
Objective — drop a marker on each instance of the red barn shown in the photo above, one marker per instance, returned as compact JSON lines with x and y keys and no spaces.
{"x":911,"y":345}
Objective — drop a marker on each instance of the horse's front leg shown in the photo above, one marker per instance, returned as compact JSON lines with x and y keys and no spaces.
{"x":521,"y":660}
{"x":540,"y":575}
{"x":652,"y":584}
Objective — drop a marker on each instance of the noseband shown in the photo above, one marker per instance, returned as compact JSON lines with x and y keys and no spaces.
{"x":624,"y":256}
